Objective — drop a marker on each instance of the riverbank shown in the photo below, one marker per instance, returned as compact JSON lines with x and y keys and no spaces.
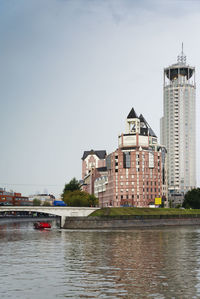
{"x":127,"y":218}
{"x":129,"y":222}
{"x":130,"y":211}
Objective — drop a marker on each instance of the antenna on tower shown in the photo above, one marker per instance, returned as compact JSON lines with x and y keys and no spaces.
{"x":181,"y":58}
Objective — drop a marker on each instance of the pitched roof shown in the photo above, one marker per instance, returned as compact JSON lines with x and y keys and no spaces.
{"x":151,"y":132}
{"x":100,"y":154}
{"x":142,"y":119}
{"x":132,"y":114}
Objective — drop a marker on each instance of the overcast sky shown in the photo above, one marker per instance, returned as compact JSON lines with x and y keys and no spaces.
{"x":70,"y":72}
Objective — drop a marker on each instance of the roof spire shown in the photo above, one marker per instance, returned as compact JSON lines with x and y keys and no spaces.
{"x":181,"y":58}
{"x":132,"y":114}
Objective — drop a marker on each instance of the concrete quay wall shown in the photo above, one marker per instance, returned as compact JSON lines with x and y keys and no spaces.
{"x":129,"y":222}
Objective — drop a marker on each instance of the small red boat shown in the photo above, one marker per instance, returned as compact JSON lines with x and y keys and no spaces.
{"x":42,"y":225}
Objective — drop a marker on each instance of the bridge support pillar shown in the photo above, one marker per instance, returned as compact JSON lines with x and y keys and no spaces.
{"x":62,"y":221}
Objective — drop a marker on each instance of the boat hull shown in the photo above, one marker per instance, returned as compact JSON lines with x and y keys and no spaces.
{"x":41,"y":225}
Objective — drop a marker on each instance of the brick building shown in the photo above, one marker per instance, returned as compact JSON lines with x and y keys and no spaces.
{"x":93,"y":166}
{"x":12,"y":198}
{"x":134,"y":174}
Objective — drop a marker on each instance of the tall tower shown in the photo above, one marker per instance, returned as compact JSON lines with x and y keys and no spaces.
{"x":177,"y":126}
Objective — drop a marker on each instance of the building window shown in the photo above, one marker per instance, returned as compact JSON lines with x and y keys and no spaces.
{"x":108,"y":162}
{"x":127,"y":159}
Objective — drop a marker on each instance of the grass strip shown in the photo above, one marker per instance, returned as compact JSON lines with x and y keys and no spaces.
{"x":130,"y":211}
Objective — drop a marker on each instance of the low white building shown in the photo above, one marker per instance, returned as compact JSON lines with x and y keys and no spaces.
{"x":43,"y":198}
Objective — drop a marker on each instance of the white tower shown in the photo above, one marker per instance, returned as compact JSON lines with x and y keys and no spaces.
{"x":178,"y":129}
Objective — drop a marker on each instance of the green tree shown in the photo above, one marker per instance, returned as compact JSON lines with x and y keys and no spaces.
{"x":79,"y":198}
{"x":46,"y":203}
{"x":36,"y":202}
{"x":93,"y":200}
{"x":74,"y":197}
{"x":192,"y":199}
{"x":72,"y":186}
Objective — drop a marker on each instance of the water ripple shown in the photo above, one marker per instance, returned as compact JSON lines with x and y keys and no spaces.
{"x":152,"y":263}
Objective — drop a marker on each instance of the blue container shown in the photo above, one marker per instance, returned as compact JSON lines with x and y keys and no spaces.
{"x":59,"y":203}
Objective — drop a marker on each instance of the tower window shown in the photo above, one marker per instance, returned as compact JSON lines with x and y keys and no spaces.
{"x":127,"y":160}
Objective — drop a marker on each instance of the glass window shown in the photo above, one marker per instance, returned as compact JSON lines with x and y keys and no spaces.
{"x":127,"y":160}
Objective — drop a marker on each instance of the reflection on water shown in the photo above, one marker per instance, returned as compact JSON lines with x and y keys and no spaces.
{"x":149,"y":263}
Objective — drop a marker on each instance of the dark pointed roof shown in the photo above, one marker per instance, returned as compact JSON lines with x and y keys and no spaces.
{"x":100,"y":154}
{"x":151,"y":132}
{"x":142,"y":119}
{"x":132,"y":114}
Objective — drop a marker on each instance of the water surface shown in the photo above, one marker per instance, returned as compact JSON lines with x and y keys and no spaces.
{"x":141,"y":263}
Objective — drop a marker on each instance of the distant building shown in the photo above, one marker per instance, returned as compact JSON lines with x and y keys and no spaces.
{"x":12,"y":198}
{"x":43,"y":198}
{"x":134,"y":174}
{"x":178,"y":126}
{"x":176,"y":199}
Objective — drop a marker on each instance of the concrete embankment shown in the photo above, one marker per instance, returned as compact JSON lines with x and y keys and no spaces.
{"x":128,"y":222}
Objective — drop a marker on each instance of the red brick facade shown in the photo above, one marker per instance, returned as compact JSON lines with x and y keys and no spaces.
{"x":135,"y":174}
{"x":12,"y":198}
{"x":138,"y":185}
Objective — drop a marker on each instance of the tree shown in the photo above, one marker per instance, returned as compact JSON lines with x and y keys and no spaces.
{"x":72,"y":186}
{"x":80,"y":198}
{"x":192,"y":199}
{"x":36,"y":202}
{"x":46,"y":203}
{"x":93,"y":200}
{"x":74,"y":197}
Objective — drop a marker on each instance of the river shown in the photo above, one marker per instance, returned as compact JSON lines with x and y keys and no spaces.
{"x":139,"y":263}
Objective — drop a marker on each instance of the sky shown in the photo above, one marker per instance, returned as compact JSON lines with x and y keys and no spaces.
{"x":70,"y":72}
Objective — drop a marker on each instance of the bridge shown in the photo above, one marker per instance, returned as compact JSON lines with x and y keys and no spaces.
{"x":63,"y":212}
